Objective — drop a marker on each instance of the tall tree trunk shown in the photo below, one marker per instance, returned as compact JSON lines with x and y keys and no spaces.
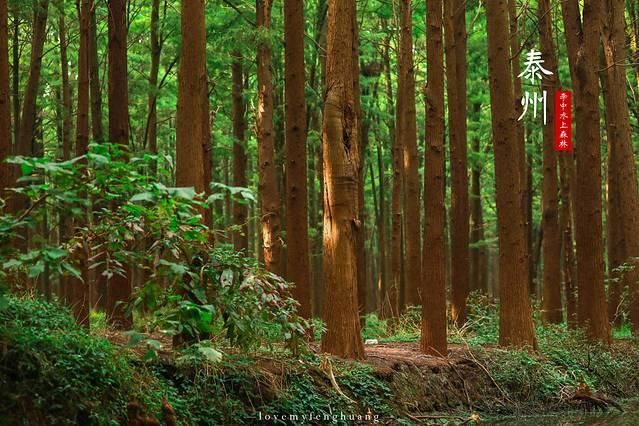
{"x":79,"y":289}
{"x":381,"y":235}
{"x":520,"y":147}
{"x":622,"y":154}
{"x":5,"y":100}
{"x":66,"y":224}
{"x":479,"y":255}
{"x":192,"y":88}
{"x":24,"y":145}
{"x":434,"y":302}
{"x":515,"y":319}
{"x":568,"y":267}
{"x":582,"y":40}
{"x":455,"y":24}
{"x":298,"y":267}
{"x":361,"y":172}
{"x":119,"y":285}
{"x":67,"y":108}
{"x":96,"y":89}
{"x":552,"y":310}
{"x":15,"y":79}
{"x":268,"y":184}
{"x":408,"y":134}
{"x":240,"y":211}
{"x":341,"y":156}
{"x":392,"y":296}
{"x":156,"y":50}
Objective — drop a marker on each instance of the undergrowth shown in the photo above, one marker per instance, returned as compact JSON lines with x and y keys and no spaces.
{"x":53,"y":372}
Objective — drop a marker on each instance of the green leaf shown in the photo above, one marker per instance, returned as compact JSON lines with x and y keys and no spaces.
{"x":210,"y":354}
{"x":11,"y":264}
{"x":187,"y":193}
{"x":36,"y":270}
{"x":144,"y":196}
{"x":55,"y":253}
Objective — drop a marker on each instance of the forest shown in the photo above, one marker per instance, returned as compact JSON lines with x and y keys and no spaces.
{"x":226,"y":212}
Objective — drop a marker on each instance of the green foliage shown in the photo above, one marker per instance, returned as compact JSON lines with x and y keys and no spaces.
{"x":222,"y":294}
{"x":212,"y":292}
{"x":52,"y":372}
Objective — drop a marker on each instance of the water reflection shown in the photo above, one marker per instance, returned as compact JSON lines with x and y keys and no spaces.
{"x":611,"y":418}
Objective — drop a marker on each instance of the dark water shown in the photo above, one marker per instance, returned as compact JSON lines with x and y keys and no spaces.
{"x":612,"y":418}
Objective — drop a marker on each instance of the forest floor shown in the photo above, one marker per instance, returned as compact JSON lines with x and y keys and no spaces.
{"x":53,"y":372}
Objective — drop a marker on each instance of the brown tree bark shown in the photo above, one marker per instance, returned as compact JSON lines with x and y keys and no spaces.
{"x":361,"y":172}
{"x":96,"y":88}
{"x":478,"y":253}
{"x":66,"y":224}
{"x":119,"y":285}
{"x":191,"y":138}
{"x":515,"y":52}
{"x":15,"y":78}
{"x":67,"y":108}
{"x":240,"y":210}
{"x":393,"y":292}
{"x":341,"y":156}
{"x":156,"y":51}
{"x":434,"y":300}
{"x":515,"y":319}
{"x":268,"y":182}
{"x":24,"y":144}
{"x":552,"y":309}
{"x":79,"y":289}
{"x":568,"y":266}
{"x":5,"y":100}
{"x":407,"y":129}
{"x":620,"y":142}
{"x":297,"y":259}
{"x":455,"y":44}
{"x":582,"y":40}
{"x":382,"y":239}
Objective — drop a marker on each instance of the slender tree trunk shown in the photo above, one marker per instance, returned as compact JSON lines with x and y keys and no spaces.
{"x":397,"y":232}
{"x":620,"y":142}
{"x":515,"y":319}
{"x":24,"y":144}
{"x":520,"y":147}
{"x":66,"y":224}
{"x":434,"y":305}
{"x":156,"y":51}
{"x":341,"y":156}
{"x":298,"y":267}
{"x":455,"y":24}
{"x":479,"y":255}
{"x":552,"y":310}
{"x":381,"y":235}
{"x":15,"y":80}
{"x":67,"y":108}
{"x":582,"y":40}
{"x":119,"y":285}
{"x":96,"y":90}
{"x":79,"y":289}
{"x":268,"y":184}
{"x":361,"y":207}
{"x":240,"y":211}
{"x":408,"y":134}
{"x":566,"y":174}
{"x":5,"y":100}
